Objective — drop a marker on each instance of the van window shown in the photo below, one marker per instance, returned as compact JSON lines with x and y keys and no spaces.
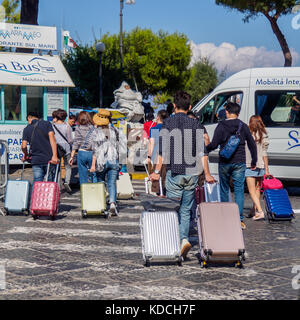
{"x":12,"y":103}
{"x":213,"y":111}
{"x":278,"y":108}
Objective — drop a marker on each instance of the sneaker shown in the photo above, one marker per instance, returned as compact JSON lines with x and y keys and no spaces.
{"x":113,"y":209}
{"x":67,"y":187}
{"x":243,"y":225}
{"x":185,"y":248}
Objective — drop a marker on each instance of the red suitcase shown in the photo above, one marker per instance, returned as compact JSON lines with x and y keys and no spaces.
{"x":45,"y":197}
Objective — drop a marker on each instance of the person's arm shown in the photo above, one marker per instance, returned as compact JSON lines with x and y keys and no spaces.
{"x":158,"y":166}
{"x":208,"y":177}
{"x":252,"y":146}
{"x":54,"y":159}
{"x":93,"y":166}
{"x":150,"y":149}
{"x":24,"y":150}
{"x":216,"y":141}
{"x":265,"y":145}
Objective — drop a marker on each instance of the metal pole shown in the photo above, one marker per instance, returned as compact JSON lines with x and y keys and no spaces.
{"x":100,"y":80}
{"x":121,"y":34}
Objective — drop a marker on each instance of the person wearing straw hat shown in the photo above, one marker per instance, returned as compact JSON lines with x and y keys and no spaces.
{"x":106,"y":155}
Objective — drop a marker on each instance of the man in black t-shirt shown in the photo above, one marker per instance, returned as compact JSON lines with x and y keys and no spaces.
{"x":40,"y":135}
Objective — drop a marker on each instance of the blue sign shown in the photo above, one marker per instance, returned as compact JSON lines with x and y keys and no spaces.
{"x":294,"y":136}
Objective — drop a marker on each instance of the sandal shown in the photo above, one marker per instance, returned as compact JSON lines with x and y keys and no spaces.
{"x":259,"y":216}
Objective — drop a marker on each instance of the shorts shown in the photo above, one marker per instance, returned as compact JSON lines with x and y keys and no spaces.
{"x":257,"y":173}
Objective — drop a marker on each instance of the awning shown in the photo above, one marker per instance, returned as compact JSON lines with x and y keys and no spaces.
{"x":22,"y":69}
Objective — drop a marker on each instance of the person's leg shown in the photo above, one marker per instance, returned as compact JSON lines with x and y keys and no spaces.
{"x":112,"y":175}
{"x":68,"y":170}
{"x":251,"y":184}
{"x":238,"y":178}
{"x":82,"y":166}
{"x":187,"y":200}
{"x":38,"y":172}
{"x":224,"y":175}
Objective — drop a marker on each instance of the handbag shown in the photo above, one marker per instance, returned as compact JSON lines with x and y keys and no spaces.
{"x":269,"y":182}
{"x":232,"y":144}
{"x":60,"y":150}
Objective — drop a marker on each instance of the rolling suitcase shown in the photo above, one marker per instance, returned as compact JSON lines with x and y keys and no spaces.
{"x":45,"y":197}
{"x":160,"y":236}
{"x":278,"y":206}
{"x":124,"y":186}
{"x":220,"y":233}
{"x":17,"y":195}
{"x":93,"y":199}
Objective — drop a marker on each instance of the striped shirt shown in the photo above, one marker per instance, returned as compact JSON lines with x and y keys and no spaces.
{"x":81,"y":140}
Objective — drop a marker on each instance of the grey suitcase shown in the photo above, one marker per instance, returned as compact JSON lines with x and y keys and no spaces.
{"x":212,"y":191}
{"x":17,"y":196}
{"x":160,"y":236}
{"x":220,"y":233}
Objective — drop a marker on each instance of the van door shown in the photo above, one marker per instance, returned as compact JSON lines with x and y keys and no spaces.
{"x":280,"y":112}
{"x":212,"y":111}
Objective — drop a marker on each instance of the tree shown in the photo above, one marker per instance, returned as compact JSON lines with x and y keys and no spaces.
{"x":29,"y":15}
{"x":272,"y":10}
{"x":12,"y":12}
{"x":204,"y":78}
{"x":152,"y":62}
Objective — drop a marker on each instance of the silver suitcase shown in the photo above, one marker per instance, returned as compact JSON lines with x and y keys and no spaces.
{"x":212,"y":191}
{"x":160,"y":236}
{"x":17,"y":196}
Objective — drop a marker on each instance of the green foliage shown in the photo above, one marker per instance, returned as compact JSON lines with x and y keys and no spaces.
{"x":154,"y":62}
{"x":12,"y":10}
{"x":204,"y":78}
{"x":161,"y":98}
{"x":253,"y":7}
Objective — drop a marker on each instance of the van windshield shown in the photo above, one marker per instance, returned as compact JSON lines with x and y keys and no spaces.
{"x":214,"y":111}
{"x":278,"y":108}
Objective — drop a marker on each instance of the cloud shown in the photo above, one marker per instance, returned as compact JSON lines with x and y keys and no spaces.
{"x":227,"y":56}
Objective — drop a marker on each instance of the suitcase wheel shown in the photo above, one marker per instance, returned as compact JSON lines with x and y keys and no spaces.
{"x":34,"y":216}
{"x":239,"y":265}
{"x":53,"y":217}
{"x":203,"y":264}
{"x":6,"y":212}
{"x":179,"y":261}
{"x":147,"y":263}
{"x":83,"y":214}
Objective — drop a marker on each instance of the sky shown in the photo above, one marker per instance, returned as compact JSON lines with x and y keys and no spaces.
{"x":214,"y":31}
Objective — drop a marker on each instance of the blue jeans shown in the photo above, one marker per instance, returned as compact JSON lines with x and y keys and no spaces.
{"x":182,"y":187}
{"x":237,"y":172}
{"x":111,"y":169}
{"x":84,"y":163}
{"x":40,"y":170}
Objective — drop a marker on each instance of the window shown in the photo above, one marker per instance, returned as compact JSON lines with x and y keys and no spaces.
{"x":278,"y":108}
{"x":214,"y":111}
{"x":12,"y":103}
{"x":35,"y":100}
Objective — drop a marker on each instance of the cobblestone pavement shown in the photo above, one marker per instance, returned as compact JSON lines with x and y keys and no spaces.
{"x":75,"y":258}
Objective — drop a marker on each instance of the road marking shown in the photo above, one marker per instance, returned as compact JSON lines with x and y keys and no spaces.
{"x":74,"y":232}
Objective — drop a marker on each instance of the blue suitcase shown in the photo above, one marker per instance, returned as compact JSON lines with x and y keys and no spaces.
{"x":278,"y":205}
{"x":17,"y":196}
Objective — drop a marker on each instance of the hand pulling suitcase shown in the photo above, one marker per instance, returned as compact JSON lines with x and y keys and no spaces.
{"x":160,"y":236}
{"x":220,"y":233}
{"x":93,"y":199}
{"x":124,"y":186}
{"x":17,"y":195}
{"x":148,"y":184}
{"x":212,"y":192}
{"x":45,"y":197}
{"x":278,"y":206}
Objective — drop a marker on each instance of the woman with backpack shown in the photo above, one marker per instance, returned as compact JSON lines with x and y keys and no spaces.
{"x":254,"y":177}
{"x":106,"y":144}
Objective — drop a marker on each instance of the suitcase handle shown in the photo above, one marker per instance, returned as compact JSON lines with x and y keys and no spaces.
{"x":56,"y":172}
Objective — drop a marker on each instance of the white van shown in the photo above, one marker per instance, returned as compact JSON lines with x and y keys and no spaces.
{"x":267,"y":92}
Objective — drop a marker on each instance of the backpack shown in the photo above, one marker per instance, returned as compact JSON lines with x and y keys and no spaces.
{"x":232,"y":144}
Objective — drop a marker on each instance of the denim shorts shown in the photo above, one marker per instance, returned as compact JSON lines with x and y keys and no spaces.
{"x":254,"y":173}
